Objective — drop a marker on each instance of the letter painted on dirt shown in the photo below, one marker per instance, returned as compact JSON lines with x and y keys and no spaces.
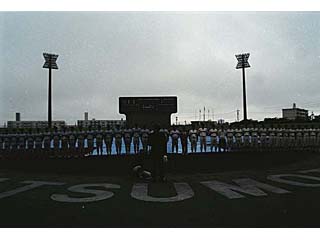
{"x":140,"y":192}
{"x":32,"y":185}
{"x":316,"y":170}
{"x":3,"y":179}
{"x":246,"y":185}
{"x":281,"y":179}
{"x":84,"y":188}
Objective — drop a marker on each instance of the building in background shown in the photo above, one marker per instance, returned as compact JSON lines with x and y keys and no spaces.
{"x":207,"y":124}
{"x":295,"y":113}
{"x":102,"y":123}
{"x":33,"y":124}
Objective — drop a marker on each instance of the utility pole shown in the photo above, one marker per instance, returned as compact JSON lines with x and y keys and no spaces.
{"x":243,"y":63}
{"x":212,"y":115}
{"x":204,"y":114}
{"x":50,"y":63}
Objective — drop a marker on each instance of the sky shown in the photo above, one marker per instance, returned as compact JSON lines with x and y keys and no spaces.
{"x":191,"y":55}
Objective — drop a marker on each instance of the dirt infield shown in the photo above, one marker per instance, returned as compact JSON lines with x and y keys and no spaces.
{"x":251,"y":197}
{"x":178,"y":163}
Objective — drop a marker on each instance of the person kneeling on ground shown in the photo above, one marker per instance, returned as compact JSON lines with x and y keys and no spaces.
{"x":141,"y":173}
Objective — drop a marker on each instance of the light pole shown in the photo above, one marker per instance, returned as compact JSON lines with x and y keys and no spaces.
{"x":238,"y":111}
{"x":50,"y":62}
{"x":243,"y":63}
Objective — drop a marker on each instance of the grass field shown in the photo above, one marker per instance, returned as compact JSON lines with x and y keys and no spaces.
{"x":207,"y":208}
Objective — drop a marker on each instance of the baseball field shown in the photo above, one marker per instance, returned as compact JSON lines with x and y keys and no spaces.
{"x":222,"y":195}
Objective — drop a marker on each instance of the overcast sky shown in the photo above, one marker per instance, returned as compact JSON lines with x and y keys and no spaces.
{"x":104,"y":55}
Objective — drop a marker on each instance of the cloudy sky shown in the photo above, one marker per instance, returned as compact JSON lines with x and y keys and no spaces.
{"x":104,"y":55}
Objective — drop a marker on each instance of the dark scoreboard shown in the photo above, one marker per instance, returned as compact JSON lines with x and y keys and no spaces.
{"x":148,"y":104}
{"x":145,"y":111}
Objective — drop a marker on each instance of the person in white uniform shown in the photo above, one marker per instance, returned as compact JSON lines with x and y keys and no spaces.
{"x":38,"y":141}
{"x":47,"y":141}
{"x":255,"y":139}
{"x":56,"y":142}
{"x":193,"y":137}
{"x":238,"y":136}
{"x":222,"y":139}
{"x":144,"y":138}
{"x":90,"y":141}
{"x":306,"y":139}
{"x":22,"y":141}
{"x":118,"y":133}
{"x":246,"y":138}
{"x":313,"y":138}
{"x":267,"y":139}
{"x":271,"y":139}
{"x":213,"y":132}
{"x":64,"y":143}
{"x":72,"y":141}
{"x":80,"y":141}
{"x":13,"y":141}
{"x":175,"y":135}
{"x":1,"y":142}
{"x":230,"y":141}
{"x":6,"y":141}
{"x":318,"y":139}
{"x":136,"y":131}
{"x":30,"y":141}
{"x":127,"y":137}
{"x":279,"y":139}
{"x":99,"y":140}
{"x":299,"y":139}
{"x":203,"y":132}
{"x":263,"y":138}
{"x":108,"y":139}
{"x":292,"y":139}
{"x":285,"y":138}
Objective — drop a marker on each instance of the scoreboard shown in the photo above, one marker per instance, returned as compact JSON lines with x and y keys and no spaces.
{"x":148,"y":110}
{"x":148,"y":104}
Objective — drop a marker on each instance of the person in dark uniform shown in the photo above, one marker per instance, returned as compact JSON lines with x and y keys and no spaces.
{"x":99,"y":140}
{"x":158,"y":143}
{"x":184,"y":140}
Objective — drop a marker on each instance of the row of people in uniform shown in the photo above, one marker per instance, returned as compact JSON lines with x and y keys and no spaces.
{"x":237,"y":139}
{"x":219,"y":139}
{"x":80,"y":140}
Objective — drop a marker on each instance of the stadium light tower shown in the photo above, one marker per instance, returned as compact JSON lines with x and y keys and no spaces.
{"x":50,"y":62}
{"x":243,"y":63}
